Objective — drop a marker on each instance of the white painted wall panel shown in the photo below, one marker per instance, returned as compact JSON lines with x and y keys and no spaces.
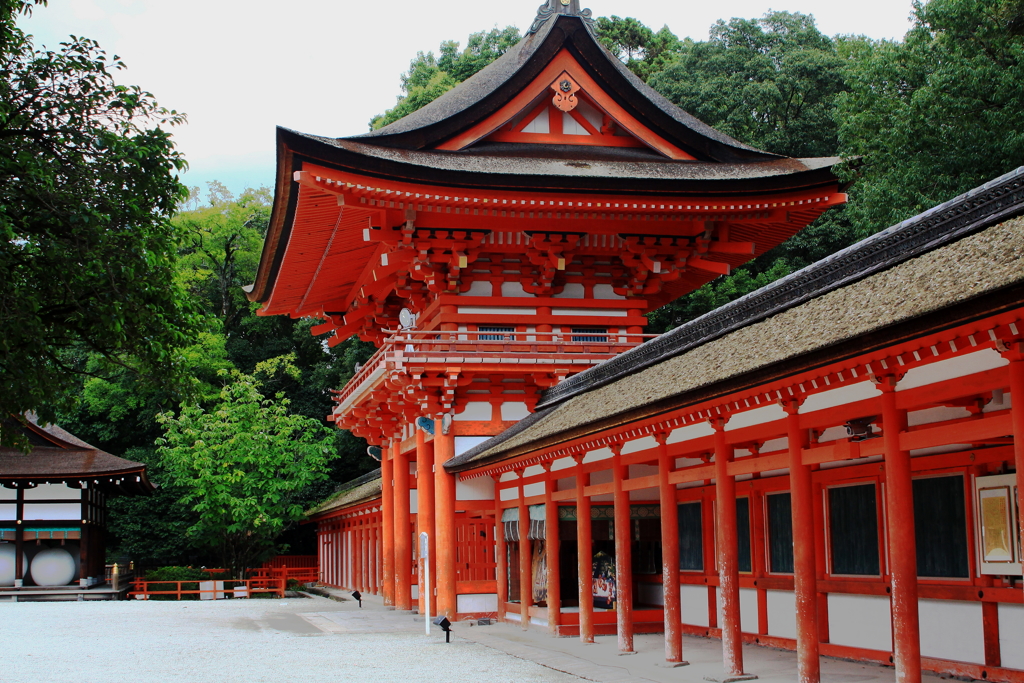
{"x":414,"y":499}
{"x":478,"y":488}
{"x":641,"y":444}
{"x":952,"y":629}
{"x":840,"y":396}
{"x":605,"y":292}
{"x":688,"y":432}
{"x":860,"y":621}
{"x":1011,"y":635}
{"x":951,"y":368}
{"x":514,"y":410}
{"x":475,"y":411}
{"x":756,"y":416}
{"x":514,"y":289}
{"x":748,"y":610}
{"x":53,"y":511}
{"x":8,"y":494}
{"x":51,"y":491}
{"x":476,"y":602}
{"x":693,"y":605}
{"x":8,"y":511}
{"x":599,"y":454}
{"x":534,"y":489}
{"x":781,"y":614}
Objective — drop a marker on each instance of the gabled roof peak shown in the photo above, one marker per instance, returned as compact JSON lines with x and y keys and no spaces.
{"x":567,"y":7}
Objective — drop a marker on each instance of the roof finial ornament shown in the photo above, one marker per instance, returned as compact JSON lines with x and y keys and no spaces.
{"x":552,"y":7}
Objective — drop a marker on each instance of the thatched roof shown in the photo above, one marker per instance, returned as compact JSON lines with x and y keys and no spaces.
{"x":959,"y":251}
{"x":365,"y":488}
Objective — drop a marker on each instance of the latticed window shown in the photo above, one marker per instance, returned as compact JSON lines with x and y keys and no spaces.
{"x":497,"y":333}
{"x":590,"y":335}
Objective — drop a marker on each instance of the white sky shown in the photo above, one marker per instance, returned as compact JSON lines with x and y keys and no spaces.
{"x":238,"y":69}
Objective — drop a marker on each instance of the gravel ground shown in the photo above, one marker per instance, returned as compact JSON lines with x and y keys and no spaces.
{"x":297,"y":639}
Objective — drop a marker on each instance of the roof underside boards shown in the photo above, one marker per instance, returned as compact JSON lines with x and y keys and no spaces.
{"x":961,"y":250}
{"x":484,"y":94}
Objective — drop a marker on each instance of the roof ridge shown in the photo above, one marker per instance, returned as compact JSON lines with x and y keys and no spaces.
{"x":974,"y":210}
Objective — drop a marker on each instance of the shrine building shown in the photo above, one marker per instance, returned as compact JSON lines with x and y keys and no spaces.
{"x":502,"y":245}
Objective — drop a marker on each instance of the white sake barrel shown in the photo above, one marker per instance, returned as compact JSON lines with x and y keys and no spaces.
{"x":7,"y":557}
{"x":53,"y":567}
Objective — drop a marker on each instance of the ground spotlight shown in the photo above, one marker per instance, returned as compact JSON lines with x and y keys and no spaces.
{"x":359,"y":598}
{"x":446,"y":626}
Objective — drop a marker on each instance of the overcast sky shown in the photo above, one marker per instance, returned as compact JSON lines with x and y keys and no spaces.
{"x":238,"y":69}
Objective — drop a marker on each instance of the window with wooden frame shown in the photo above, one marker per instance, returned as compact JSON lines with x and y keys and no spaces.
{"x":691,"y":537}
{"x":940,"y":525}
{"x":853,"y":530}
{"x":743,"y":556}
{"x":590,"y":335}
{"x":780,"y":533}
{"x":495,"y":333}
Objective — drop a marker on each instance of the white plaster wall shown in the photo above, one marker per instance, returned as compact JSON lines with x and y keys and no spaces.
{"x":781,"y":614}
{"x":415,"y":589}
{"x":840,"y":396}
{"x":693,"y":605}
{"x":650,"y":593}
{"x":860,"y":621}
{"x":572,"y":290}
{"x":748,"y":610}
{"x":509,"y":494}
{"x":605,"y":292}
{"x":514,"y":410}
{"x":688,"y":432}
{"x":8,"y":511}
{"x":562,"y":464}
{"x":939,"y":414}
{"x":534,"y":489}
{"x":601,"y":477}
{"x":8,"y":494}
{"x":479,"y":288}
{"x":773,"y":445}
{"x":497,"y":310}
{"x":599,"y":454}
{"x":566,"y":484}
{"x":477,"y":488}
{"x":641,"y":444}
{"x":952,"y":629}
{"x":52,"y":491}
{"x":476,"y":602}
{"x":643,"y":471}
{"x":514,"y":289}
{"x":53,"y":511}
{"x":464,"y":443}
{"x":951,"y":368}
{"x":414,"y":498}
{"x":756,"y":416}
{"x":1011,"y":635}
{"x":533,"y":470}
{"x":479,"y":411}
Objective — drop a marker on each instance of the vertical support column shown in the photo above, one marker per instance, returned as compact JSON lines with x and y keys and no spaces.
{"x":551,"y":549}
{"x":403,"y":551}
{"x":1015,"y":354}
{"x":669,"y":554}
{"x":623,"y":554}
{"x":425,"y":513}
{"x":808,"y":664}
{"x":728,"y":554}
{"x":357,"y":554}
{"x":584,"y":553}
{"x":19,"y":532}
{"x":899,"y":495}
{"x":500,"y":551}
{"x":444,"y":521}
{"x":372,"y":548}
{"x":387,"y":468}
{"x":525,"y":558}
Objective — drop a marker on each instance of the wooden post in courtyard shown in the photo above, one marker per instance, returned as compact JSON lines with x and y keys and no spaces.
{"x":403,"y":551}
{"x":808,"y":663}
{"x":584,"y":554}
{"x":551,"y":549}
{"x":623,"y":553}
{"x":387,"y":467}
{"x":899,"y":494}
{"x":525,"y":558}
{"x":500,"y":552}
{"x":669,"y":554}
{"x":425,"y":513}
{"x":444,"y":522}
{"x":728,"y":554}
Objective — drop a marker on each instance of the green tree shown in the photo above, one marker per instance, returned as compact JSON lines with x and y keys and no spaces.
{"x":937,"y":114}
{"x":88,"y":182}
{"x":243,"y":465}
{"x":642,"y":50}
{"x":429,"y":77}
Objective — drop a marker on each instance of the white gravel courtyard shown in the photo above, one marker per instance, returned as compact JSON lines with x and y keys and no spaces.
{"x":279,"y":641}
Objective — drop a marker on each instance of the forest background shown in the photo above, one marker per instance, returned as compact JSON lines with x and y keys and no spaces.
{"x":918,"y":121}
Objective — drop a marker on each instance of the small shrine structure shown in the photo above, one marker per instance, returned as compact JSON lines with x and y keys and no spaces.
{"x":53,"y":513}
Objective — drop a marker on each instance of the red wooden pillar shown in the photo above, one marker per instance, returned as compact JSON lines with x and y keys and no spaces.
{"x":584,"y":554}
{"x":444,"y":522}
{"x":425,"y":513}
{"x":728,"y":554}
{"x":372,"y":548}
{"x":1015,"y":354}
{"x":403,"y":551}
{"x":500,"y":551}
{"x":387,"y":467}
{"x":899,"y":496}
{"x":669,"y":554}
{"x":804,"y":554}
{"x":525,"y":558}
{"x":551,"y":549}
{"x":357,"y":554}
{"x":623,"y":553}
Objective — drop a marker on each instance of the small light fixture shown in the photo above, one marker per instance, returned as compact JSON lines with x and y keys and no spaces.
{"x":445,"y":625}
{"x":860,"y":429}
{"x":359,"y":598}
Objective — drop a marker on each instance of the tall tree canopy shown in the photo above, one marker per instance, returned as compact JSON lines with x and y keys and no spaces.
{"x":88,"y":183}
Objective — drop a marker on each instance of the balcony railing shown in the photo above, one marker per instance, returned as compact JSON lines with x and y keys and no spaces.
{"x":576,"y":348}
